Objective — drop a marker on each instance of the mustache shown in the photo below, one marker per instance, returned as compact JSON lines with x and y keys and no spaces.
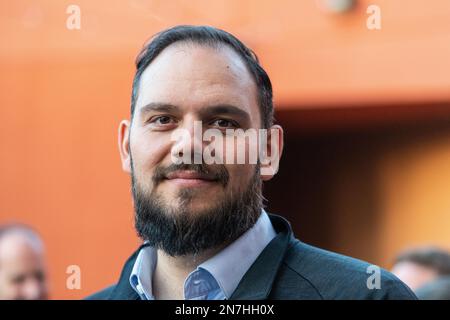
{"x":217,"y":172}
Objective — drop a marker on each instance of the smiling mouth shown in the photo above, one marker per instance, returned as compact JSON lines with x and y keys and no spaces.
{"x":190,"y":178}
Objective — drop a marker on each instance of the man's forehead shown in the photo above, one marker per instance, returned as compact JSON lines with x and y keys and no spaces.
{"x":198,"y":74}
{"x":18,"y":243}
{"x":202,"y":58}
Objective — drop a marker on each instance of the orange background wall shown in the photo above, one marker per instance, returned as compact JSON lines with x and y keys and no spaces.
{"x":63,"y":93}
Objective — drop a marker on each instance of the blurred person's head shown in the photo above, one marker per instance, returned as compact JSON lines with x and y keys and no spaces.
{"x":22,"y":265}
{"x":187,"y":74}
{"x":419,"y":266}
{"x":438,"y":289}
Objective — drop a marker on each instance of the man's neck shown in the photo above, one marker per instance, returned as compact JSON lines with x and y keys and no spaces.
{"x":171,"y":272}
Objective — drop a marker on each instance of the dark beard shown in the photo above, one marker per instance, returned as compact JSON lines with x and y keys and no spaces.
{"x":180,"y":232}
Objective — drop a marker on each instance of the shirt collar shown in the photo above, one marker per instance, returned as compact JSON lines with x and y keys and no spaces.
{"x":141,"y":274}
{"x":242,"y":253}
{"x":229,"y":265}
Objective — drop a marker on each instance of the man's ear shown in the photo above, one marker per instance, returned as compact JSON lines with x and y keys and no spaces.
{"x":124,"y":145}
{"x":274,"y":146}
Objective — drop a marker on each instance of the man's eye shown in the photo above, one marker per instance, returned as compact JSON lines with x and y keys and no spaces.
{"x":224,"y":123}
{"x":18,"y":279}
{"x":162,"y":120}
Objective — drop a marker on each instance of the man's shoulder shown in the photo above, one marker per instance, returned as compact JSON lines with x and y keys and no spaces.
{"x":103,"y":294}
{"x":309,"y":272}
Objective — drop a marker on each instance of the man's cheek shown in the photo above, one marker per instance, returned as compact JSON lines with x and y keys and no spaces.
{"x":144,"y":179}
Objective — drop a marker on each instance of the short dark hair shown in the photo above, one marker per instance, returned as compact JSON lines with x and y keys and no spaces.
{"x":430,"y":257}
{"x":211,"y":36}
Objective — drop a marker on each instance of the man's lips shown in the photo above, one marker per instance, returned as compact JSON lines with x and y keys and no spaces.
{"x":189,"y":175}
{"x":190,"y":178}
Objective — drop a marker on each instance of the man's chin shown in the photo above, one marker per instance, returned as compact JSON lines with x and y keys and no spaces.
{"x":191,"y":199}
{"x":193,"y":207}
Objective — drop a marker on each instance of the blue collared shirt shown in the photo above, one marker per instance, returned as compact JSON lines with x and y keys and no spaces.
{"x":217,"y":277}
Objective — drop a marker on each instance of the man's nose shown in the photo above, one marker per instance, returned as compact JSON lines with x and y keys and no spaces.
{"x":189,"y":142}
{"x":33,"y":289}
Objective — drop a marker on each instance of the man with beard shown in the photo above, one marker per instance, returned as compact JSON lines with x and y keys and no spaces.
{"x":205,"y":232}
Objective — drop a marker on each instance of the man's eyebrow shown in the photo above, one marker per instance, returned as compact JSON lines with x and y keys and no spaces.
{"x":158,"y":106}
{"x":224,"y":109}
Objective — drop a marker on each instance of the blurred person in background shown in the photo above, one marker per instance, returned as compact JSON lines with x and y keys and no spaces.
{"x":420,"y":266}
{"x":438,"y":289}
{"x":22,"y":265}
